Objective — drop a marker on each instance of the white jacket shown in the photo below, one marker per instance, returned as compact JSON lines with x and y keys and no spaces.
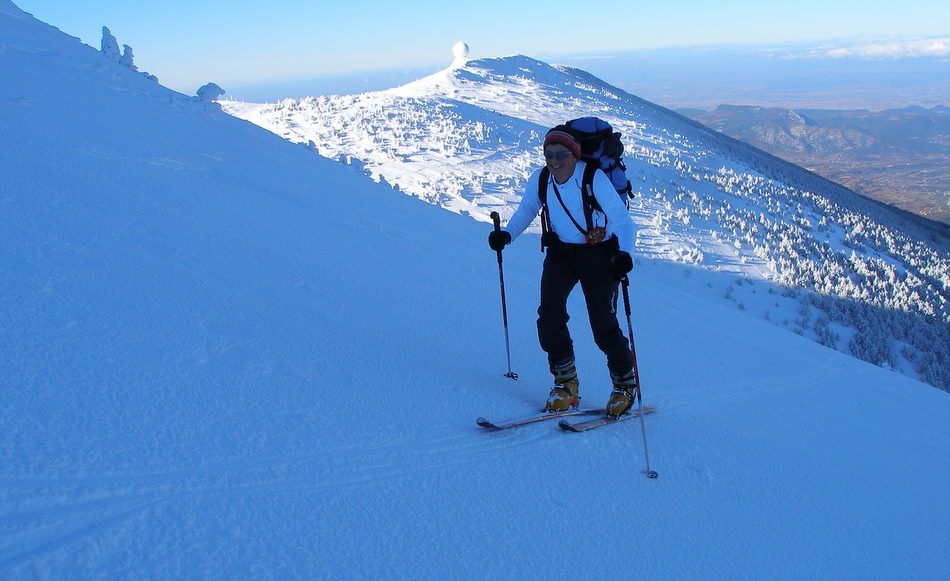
{"x":617,"y":217}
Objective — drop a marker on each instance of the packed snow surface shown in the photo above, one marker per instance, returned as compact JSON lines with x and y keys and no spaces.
{"x":223,"y":356}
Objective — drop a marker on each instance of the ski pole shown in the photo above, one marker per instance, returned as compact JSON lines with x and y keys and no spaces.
{"x":636,"y":371}
{"x":504,"y":308}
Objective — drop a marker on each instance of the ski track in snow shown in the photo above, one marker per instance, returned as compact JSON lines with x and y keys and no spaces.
{"x":96,"y":504}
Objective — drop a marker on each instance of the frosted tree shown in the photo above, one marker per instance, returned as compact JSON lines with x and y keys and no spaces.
{"x":127,"y":57}
{"x":209,"y":92}
{"x":110,"y":46}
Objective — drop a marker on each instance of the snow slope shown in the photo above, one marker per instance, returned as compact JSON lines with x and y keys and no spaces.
{"x":804,"y":253}
{"x":225,"y":357}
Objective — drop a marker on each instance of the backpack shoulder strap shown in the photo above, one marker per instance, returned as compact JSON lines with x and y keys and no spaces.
{"x":543,"y":178}
{"x":590,"y":202}
{"x":587,"y":182}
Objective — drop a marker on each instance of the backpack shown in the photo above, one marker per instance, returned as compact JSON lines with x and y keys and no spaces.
{"x":601,"y":149}
{"x":601,"y":146}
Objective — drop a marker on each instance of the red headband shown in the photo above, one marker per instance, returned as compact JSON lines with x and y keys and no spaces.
{"x":565,"y":139}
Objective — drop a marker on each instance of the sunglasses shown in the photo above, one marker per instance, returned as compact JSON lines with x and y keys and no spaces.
{"x":558,"y":155}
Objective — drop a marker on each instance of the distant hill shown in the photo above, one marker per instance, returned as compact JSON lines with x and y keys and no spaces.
{"x":897,"y":156}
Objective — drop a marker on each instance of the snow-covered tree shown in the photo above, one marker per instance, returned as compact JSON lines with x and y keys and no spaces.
{"x":127,"y":57}
{"x":210,"y":92}
{"x":110,"y":46}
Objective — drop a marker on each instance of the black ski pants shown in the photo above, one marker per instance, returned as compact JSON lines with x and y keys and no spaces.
{"x":564,"y":266}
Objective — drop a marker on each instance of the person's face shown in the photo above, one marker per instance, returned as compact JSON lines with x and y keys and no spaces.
{"x":560,"y":161}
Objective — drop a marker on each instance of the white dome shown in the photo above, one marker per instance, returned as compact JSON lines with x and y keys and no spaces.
{"x":460,"y":50}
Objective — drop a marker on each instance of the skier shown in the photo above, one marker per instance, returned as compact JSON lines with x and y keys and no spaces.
{"x":598,"y":257}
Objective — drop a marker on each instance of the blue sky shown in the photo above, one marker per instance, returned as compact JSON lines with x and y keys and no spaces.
{"x":187,"y":43}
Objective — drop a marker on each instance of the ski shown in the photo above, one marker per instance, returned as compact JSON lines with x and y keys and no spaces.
{"x":603,"y":420}
{"x":532,"y":419}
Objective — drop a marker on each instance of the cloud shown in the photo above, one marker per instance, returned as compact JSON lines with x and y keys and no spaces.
{"x":886,"y":49}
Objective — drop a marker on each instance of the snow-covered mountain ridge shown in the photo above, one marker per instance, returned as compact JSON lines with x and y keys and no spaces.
{"x":861,"y":277}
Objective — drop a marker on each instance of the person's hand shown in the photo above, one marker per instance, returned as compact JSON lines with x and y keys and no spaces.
{"x":498,"y":239}
{"x":620,"y":265}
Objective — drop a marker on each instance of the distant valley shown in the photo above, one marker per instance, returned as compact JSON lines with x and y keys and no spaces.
{"x":870,"y":114}
{"x":897,"y":156}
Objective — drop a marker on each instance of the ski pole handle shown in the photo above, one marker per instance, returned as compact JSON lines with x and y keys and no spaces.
{"x":496,"y":219}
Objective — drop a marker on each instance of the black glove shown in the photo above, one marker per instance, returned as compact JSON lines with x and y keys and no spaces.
{"x":498,"y":239}
{"x":620,"y":265}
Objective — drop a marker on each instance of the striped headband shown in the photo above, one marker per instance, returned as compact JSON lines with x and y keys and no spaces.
{"x":565,"y":139}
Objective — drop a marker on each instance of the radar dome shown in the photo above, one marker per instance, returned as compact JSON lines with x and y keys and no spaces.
{"x":460,"y":52}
